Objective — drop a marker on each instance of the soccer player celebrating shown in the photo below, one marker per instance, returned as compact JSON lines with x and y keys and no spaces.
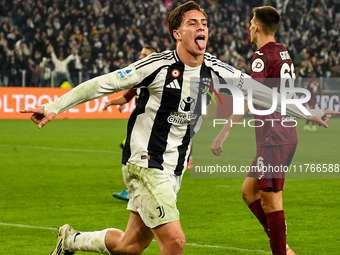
{"x":159,"y":134}
{"x":276,"y":143}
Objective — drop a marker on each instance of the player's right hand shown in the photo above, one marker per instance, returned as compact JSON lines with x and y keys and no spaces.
{"x":216,"y":147}
{"x":38,"y":116}
{"x":121,"y":107}
{"x":106,"y":105}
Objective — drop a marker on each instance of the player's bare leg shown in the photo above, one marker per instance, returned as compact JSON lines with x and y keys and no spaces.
{"x":170,"y":238}
{"x":134,"y":240}
{"x":271,"y":201}
{"x":250,"y":190}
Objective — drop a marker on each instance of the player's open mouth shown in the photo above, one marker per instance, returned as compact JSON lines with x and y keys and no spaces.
{"x":200,"y":41}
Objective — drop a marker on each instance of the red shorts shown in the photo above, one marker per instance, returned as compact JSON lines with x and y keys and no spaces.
{"x":270,"y":164}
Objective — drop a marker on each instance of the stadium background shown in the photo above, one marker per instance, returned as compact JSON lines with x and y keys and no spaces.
{"x":107,"y":35}
{"x":66,"y":172}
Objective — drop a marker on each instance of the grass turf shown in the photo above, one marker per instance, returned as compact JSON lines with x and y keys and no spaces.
{"x":67,"y":171}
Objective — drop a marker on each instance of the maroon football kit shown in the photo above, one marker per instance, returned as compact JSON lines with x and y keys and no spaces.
{"x":313,"y":85}
{"x":276,"y":136}
{"x":130,"y":94}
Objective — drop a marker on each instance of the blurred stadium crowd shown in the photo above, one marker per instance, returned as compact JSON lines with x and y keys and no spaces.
{"x":93,"y":37}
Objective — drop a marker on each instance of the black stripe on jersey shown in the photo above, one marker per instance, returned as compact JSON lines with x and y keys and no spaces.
{"x":149,"y":79}
{"x":205,"y":74}
{"x":155,"y":60}
{"x":153,"y":56}
{"x":216,"y":62}
{"x":182,"y":150}
{"x":225,"y":66}
{"x":140,"y":108}
{"x":170,"y":101}
{"x":143,"y":99}
{"x":221,"y":80}
{"x":152,"y":59}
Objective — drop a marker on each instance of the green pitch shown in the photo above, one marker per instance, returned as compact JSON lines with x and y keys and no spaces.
{"x":67,"y":171}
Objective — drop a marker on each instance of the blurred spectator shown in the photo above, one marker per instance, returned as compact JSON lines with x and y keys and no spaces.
{"x":76,"y":69}
{"x":61,"y":65}
{"x":35,"y":76}
{"x":3,"y":58}
{"x":46,"y":67}
{"x":93,"y":71}
{"x":309,"y":29}
{"x":13,"y":73}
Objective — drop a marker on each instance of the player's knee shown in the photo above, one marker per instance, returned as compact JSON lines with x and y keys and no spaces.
{"x":249,"y":196}
{"x":246,"y":196}
{"x":266,"y":207}
{"x":176,"y":246}
{"x":270,"y":207}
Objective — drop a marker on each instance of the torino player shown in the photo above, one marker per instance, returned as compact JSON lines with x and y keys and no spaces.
{"x":276,"y":143}
{"x":314,"y":87}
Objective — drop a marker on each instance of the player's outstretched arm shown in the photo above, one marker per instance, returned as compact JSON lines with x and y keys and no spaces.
{"x":38,"y":116}
{"x":262,"y":96}
{"x":322,"y":121}
{"x":217,"y":144}
{"x":117,"y":101}
{"x":125,"y":98}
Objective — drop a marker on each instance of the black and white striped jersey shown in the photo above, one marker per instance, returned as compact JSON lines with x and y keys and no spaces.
{"x":168,"y":112}
{"x":167,"y":115}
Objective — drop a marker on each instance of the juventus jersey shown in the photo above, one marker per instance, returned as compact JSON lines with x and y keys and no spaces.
{"x":168,"y":112}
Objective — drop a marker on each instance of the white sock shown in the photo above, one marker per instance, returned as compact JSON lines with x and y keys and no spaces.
{"x":87,"y":241}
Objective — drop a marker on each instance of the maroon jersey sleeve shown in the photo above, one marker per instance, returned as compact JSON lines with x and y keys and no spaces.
{"x":130,"y":94}
{"x":271,"y":65}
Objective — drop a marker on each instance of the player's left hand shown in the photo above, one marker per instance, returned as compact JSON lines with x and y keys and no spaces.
{"x":323,"y":121}
{"x":38,"y":116}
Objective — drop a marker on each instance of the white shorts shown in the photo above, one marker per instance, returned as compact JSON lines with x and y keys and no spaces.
{"x":153,"y":194}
